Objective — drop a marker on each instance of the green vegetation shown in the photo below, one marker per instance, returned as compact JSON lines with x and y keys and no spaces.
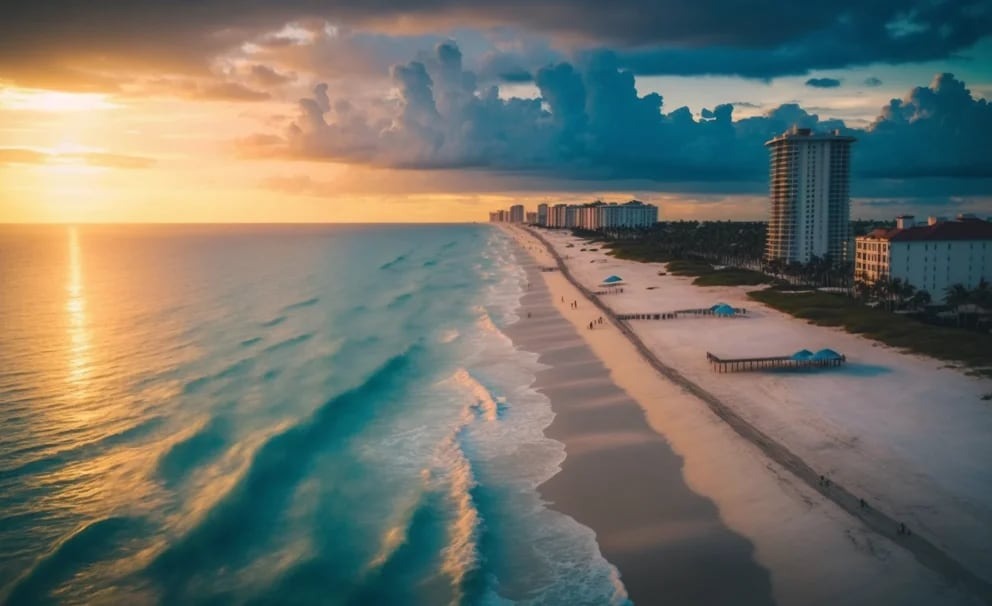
{"x":706,"y":275}
{"x":732,"y":276}
{"x":973,"y":349}
{"x":727,"y":242}
{"x":689,"y":267}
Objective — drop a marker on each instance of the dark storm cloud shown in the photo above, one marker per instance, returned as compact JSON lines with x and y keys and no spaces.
{"x":78,"y":43}
{"x":935,"y":131}
{"x":823,"y":82}
{"x":590,"y":123}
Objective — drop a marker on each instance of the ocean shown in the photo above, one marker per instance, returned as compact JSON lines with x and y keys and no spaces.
{"x":276,"y":414}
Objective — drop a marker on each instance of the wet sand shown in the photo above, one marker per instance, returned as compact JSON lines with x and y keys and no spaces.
{"x":623,"y":480}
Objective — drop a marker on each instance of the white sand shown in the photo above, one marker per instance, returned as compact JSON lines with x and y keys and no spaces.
{"x":914,"y":439}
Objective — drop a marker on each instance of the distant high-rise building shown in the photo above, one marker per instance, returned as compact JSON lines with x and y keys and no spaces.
{"x":517,"y":213}
{"x":634,"y":214}
{"x":542,"y":215}
{"x":531,"y":217}
{"x":810,"y":196}
{"x":571,"y":216}
{"x":556,"y":215}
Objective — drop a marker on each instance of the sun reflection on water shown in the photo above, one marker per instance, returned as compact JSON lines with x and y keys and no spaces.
{"x":75,"y":306}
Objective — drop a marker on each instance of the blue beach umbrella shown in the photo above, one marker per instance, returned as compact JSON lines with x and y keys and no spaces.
{"x":723,"y":309}
{"x":826,"y":354}
{"x":802,"y":354}
{"x":614,"y":279}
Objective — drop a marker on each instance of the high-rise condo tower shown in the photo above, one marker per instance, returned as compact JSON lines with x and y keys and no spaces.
{"x":810,"y":196}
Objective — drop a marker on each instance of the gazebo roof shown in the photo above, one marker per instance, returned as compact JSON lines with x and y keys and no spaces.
{"x":612,"y":279}
{"x":802,"y":354}
{"x":826,"y":354}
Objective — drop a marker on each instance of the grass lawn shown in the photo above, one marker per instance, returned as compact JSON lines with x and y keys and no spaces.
{"x":969,"y":348}
{"x":731,"y":276}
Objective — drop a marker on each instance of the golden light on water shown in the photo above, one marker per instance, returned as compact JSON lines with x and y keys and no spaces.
{"x":75,"y":307}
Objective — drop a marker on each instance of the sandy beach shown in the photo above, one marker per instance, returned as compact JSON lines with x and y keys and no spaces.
{"x":813,"y":550}
{"x":622,"y":478}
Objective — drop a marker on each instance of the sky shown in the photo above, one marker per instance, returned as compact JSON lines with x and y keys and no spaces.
{"x":436,"y":110}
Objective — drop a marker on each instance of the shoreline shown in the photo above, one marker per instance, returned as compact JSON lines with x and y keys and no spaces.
{"x":622,"y":479}
{"x":815,"y":551}
{"x":924,"y":551}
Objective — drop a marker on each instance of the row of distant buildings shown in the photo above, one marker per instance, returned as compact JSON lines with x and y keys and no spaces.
{"x":810,"y":215}
{"x":592,"y":216}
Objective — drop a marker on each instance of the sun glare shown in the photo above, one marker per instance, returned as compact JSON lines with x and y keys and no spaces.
{"x":52,"y":101}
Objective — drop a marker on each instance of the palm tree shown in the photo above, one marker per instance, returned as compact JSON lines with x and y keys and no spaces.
{"x":880,"y":290}
{"x":957,"y":295}
{"x":903,"y":291}
{"x":982,"y":294}
{"x":920,"y":299}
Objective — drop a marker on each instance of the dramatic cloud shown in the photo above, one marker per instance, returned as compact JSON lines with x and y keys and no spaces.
{"x":590,"y":123}
{"x":935,"y":131}
{"x":873,"y":82}
{"x":91,"y":45}
{"x":823,"y":82}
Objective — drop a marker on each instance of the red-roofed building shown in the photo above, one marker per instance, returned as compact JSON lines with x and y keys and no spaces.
{"x":931,"y":256}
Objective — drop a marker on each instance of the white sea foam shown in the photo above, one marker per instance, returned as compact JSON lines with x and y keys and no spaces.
{"x":514,"y":451}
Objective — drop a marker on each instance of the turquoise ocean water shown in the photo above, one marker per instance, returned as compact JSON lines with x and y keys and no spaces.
{"x":275,"y":414}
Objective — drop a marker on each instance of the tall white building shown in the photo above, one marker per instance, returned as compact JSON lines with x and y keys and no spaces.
{"x":810,"y":196}
{"x":517,"y":213}
{"x":542,"y":214}
{"x":571,"y":216}
{"x":633,"y":214}
{"x":930,"y":256}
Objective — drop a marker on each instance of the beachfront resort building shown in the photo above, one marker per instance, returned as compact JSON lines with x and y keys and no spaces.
{"x":809,"y":193}
{"x":517,"y":213}
{"x":499,"y":216}
{"x":557,"y":216}
{"x":592,"y":216}
{"x":931,"y":256}
{"x":633,"y":214}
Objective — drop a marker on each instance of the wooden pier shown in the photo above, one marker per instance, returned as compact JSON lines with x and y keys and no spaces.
{"x":773,"y":363}
{"x":671,"y":315}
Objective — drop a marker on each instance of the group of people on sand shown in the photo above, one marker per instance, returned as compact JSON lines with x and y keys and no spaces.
{"x":902,"y":529}
{"x":595,"y":322}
